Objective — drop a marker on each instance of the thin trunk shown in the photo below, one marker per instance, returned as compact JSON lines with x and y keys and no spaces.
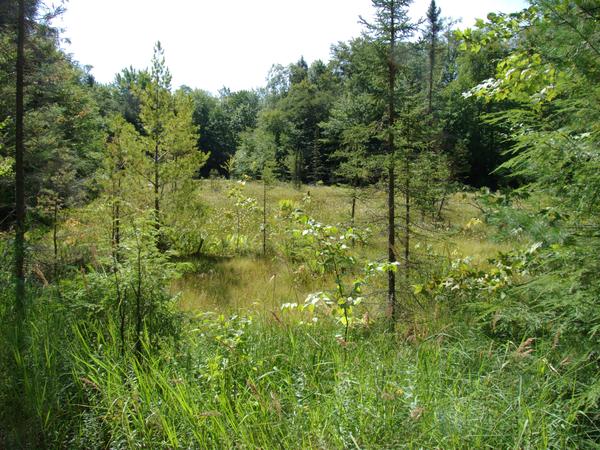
{"x":431,"y":69}
{"x":407,"y":221}
{"x":353,"y":213}
{"x":156,"y":192}
{"x":264,"y":224}
{"x":237,"y":234}
{"x":391,"y":175}
{"x":19,"y":409}
{"x":116,"y":244}
{"x":297,"y":182}
{"x":116,"y":220}
{"x":122,"y":313}
{"x":19,"y":168}
{"x":138,"y":303}
{"x":55,"y":239}
{"x":117,"y":231}
{"x":441,"y":208}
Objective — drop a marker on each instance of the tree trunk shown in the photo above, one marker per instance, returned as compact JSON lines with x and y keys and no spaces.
{"x":431,"y":69}
{"x":156,"y":192}
{"x":138,"y":303}
{"x":116,"y":253}
{"x":391,"y":175}
{"x":19,"y":168}
{"x":264,"y":224}
{"x":55,"y":239}
{"x":407,"y":221}
{"x":353,"y":213}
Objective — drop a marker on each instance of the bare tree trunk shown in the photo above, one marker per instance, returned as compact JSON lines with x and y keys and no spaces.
{"x":353,"y":213}
{"x":297,"y":164}
{"x":55,"y":239}
{"x":407,"y":221}
{"x":264,"y":224}
{"x":117,"y":238}
{"x":138,"y":303}
{"x":156,"y":192}
{"x":19,"y":321}
{"x":19,"y":168}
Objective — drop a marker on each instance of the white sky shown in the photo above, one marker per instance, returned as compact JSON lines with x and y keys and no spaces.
{"x":214,"y":43}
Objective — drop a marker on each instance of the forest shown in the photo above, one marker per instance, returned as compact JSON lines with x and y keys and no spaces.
{"x":395,"y":248}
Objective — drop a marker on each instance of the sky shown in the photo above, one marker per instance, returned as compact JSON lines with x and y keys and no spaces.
{"x":210,"y":44}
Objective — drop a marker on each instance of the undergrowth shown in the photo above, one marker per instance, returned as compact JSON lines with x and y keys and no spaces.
{"x":278,"y":382}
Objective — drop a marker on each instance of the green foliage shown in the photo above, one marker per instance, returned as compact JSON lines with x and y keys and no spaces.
{"x":243,"y":208}
{"x":256,"y":154}
{"x":6,"y":162}
{"x":500,"y":354}
{"x":236,"y":381}
{"x":64,"y":128}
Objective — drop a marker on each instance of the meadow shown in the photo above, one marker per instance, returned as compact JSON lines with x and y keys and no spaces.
{"x":247,"y":366}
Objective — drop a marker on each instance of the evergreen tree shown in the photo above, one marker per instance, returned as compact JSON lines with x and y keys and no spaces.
{"x":171,"y":158}
{"x":434,"y":25}
{"x":391,"y":26}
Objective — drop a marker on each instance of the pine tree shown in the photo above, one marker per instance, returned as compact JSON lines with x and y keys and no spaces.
{"x":171,"y":158}
{"x":434,"y":26}
{"x":391,"y":26}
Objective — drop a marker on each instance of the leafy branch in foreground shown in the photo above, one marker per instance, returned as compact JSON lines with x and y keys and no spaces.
{"x":328,"y":250}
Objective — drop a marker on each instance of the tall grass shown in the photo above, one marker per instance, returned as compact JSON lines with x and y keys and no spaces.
{"x":243,"y":373}
{"x":279,"y":382}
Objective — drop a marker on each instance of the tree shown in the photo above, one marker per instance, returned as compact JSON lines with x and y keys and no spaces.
{"x":256,"y":158}
{"x":353,"y":133}
{"x":434,"y":25}
{"x":122,"y":142}
{"x":222,"y":121}
{"x":547,"y":91}
{"x":391,"y":26}
{"x":475,"y":147}
{"x":171,"y":158}
{"x":60,"y":114}
{"x":125,"y":86}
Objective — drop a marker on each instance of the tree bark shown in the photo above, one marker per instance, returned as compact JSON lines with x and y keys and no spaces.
{"x":156,"y":191}
{"x":264,"y":224}
{"x":391,"y":172}
{"x":407,"y":221}
{"x":55,"y":239}
{"x":431,"y":69}
{"x":19,"y":167}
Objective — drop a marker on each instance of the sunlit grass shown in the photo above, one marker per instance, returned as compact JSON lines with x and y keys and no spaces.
{"x":252,"y":282}
{"x":236,"y":283}
{"x":245,"y":373}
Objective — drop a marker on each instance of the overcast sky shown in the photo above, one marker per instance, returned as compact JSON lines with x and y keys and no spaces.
{"x":214,"y":43}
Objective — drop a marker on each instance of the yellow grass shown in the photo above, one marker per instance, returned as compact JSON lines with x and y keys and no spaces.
{"x":235,"y":282}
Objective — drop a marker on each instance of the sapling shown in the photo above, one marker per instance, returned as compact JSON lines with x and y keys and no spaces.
{"x":326,"y":249}
{"x":243,"y":207}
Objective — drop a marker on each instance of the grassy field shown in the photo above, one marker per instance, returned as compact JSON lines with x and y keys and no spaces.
{"x":249,"y":280}
{"x":244,"y":373}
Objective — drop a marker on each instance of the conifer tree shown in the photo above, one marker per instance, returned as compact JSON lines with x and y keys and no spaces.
{"x":434,"y":25}
{"x":171,"y":158}
{"x":390,"y":27}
